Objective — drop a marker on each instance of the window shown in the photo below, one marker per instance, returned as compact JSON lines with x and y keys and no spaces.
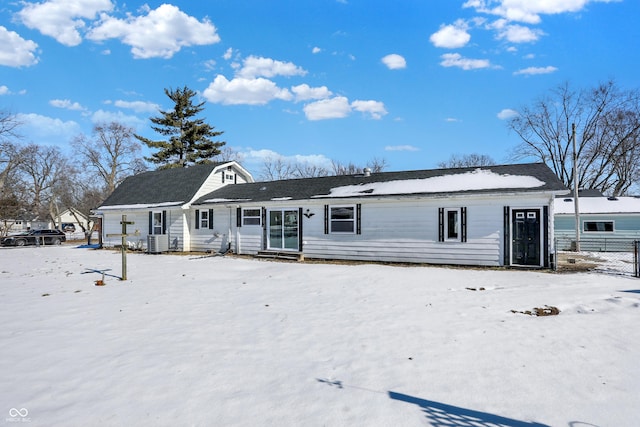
{"x":204,"y":219}
{"x":342,"y":219}
{"x":156,"y":223}
{"x":452,"y":224}
{"x":595,"y":226}
{"x":251,"y":216}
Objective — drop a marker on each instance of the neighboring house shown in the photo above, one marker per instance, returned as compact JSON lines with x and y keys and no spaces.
{"x":158,"y":203}
{"x":603,"y":220}
{"x":25,"y":223}
{"x":490,"y":216}
{"x":72,"y":220}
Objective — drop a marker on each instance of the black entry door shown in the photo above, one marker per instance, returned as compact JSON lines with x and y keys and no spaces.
{"x":526,"y":236}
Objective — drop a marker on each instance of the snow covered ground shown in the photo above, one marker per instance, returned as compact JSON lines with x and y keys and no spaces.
{"x":224,"y":341}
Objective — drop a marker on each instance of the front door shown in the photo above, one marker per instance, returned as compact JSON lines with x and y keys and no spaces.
{"x":526,"y":236}
{"x":283,"y":229}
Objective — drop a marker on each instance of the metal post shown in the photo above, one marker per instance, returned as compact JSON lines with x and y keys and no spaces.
{"x":636,"y":257}
{"x":124,"y":247}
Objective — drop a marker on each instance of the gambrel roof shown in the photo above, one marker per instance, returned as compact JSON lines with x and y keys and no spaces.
{"x":532,"y":177}
{"x":167,"y":187}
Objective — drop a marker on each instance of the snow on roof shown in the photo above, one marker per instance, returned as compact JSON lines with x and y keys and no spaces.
{"x":141,"y":206}
{"x":225,"y":200}
{"x":475,"y":180}
{"x":598,"y":205}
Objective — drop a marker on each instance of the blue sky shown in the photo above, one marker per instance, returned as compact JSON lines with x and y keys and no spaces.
{"x":411,"y":82}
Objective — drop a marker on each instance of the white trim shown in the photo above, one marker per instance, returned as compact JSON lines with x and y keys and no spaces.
{"x":352,"y":220}
{"x":541,"y":236}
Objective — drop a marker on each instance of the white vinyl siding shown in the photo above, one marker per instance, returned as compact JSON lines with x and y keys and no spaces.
{"x":406,"y":230}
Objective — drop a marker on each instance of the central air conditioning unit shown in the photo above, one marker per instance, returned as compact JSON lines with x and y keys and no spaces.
{"x":157,"y":243}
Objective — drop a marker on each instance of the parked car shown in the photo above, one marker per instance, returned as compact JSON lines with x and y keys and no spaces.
{"x":68,"y":227}
{"x":35,"y":237}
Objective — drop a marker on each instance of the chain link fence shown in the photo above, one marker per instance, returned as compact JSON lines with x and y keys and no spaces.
{"x":606,"y":255}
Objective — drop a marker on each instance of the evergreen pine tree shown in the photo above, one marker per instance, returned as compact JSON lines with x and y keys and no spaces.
{"x":190,"y":139}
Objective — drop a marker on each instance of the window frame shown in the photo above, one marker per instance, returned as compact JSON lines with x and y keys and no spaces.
{"x":257,"y":217}
{"x":447,"y":225}
{"x":203,"y":221}
{"x":612,"y":222}
{"x":157,"y":229}
{"x":336,"y":221}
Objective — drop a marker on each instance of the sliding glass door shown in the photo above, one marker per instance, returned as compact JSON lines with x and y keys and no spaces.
{"x":283,"y":229}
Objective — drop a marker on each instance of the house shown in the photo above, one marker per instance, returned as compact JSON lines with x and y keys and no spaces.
{"x":71,"y":220}
{"x":606,"y":223}
{"x":489,"y":216}
{"x":158,"y":203}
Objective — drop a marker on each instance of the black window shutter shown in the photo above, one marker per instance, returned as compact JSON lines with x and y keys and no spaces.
{"x":440,"y":224}
{"x":463,"y":224}
{"x":507,"y":236}
{"x":223,"y":177}
{"x":197,"y":219}
{"x":210,"y":219}
{"x":238,"y":217}
{"x":150,"y":222}
{"x":264,"y":228}
{"x":164,"y":222}
{"x":358,"y":218}
{"x":300,"y":229}
{"x":545,"y":240}
{"x":326,"y":219}
{"x":235,"y":179}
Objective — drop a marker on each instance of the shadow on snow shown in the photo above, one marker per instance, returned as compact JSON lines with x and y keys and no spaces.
{"x":441,"y":415}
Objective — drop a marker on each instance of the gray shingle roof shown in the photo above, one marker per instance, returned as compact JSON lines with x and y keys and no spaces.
{"x":177,"y":186}
{"x":319,"y":188}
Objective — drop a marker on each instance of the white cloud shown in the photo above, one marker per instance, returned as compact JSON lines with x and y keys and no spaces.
{"x":451,"y":36}
{"x":304,"y":92}
{"x":244,"y":91}
{"x":401,"y":148}
{"x":66,"y":104}
{"x":394,"y":61}
{"x":254,"y":66}
{"x":160,"y":33}
{"x":332,"y":108}
{"x":507,"y":113}
{"x":374,"y":108}
{"x":228,"y":54}
{"x":315,"y":50}
{"x":457,"y":60}
{"x":527,"y":11}
{"x":62,"y":19}
{"x":339,"y":107}
{"x":102,"y":116}
{"x":138,"y":106}
{"x":536,"y":70}
{"x":519,"y":34}
{"x":4,"y":90}
{"x":16,"y":51}
{"x":47,"y":130}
